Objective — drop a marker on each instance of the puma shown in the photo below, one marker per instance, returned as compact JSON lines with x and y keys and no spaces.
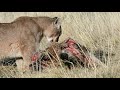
{"x":21,"y":37}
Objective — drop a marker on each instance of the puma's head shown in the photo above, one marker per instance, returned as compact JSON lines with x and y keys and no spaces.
{"x":54,"y":30}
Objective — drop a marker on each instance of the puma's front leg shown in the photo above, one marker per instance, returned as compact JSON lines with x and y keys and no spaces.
{"x":27,"y":52}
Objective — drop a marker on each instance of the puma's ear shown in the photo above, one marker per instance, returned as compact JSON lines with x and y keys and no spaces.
{"x":57,"y":22}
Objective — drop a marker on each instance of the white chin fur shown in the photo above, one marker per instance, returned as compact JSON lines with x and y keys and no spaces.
{"x":49,"y":39}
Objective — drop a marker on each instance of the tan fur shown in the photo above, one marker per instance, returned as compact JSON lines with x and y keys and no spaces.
{"x":22,"y":37}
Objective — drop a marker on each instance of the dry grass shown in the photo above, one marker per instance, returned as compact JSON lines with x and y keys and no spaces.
{"x":95,"y":30}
